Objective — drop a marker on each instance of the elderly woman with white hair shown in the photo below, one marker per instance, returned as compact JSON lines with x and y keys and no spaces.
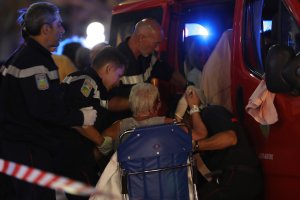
{"x":144,"y":102}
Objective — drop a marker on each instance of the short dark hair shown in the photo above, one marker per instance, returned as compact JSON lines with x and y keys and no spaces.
{"x":36,"y":16}
{"x":70,"y":50}
{"x":109,"y":54}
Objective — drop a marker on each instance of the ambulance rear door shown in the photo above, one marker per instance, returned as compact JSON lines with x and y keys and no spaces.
{"x":258,"y":25}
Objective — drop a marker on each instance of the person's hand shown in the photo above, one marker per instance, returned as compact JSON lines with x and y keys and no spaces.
{"x":89,"y":115}
{"x":192,"y":97}
{"x":106,"y":146}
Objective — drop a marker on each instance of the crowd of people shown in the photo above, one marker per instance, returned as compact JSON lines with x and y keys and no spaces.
{"x":66,"y":119}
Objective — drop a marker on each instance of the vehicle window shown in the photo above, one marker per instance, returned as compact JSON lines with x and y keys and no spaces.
{"x":196,"y":48}
{"x":122,"y":25}
{"x":267,"y":23}
{"x":202,"y":24}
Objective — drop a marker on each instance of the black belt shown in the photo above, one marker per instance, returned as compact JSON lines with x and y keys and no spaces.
{"x":241,"y":168}
{"x":216,"y":174}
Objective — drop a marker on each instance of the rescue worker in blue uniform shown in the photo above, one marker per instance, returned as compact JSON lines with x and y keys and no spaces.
{"x":33,"y":110}
{"x":233,"y":171}
{"x":88,"y":87}
{"x":144,"y":65}
{"x":84,"y":88}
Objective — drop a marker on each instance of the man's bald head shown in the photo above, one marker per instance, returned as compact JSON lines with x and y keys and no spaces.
{"x":147,"y":26}
{"x":148,"y":35}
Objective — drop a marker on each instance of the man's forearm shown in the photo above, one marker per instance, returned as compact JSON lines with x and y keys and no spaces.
{"x":91,"y":133}
{"x":199,"y":129}
{"x":221,"y":140}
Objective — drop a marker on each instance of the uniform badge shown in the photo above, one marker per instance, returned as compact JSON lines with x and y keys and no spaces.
{"x":41,"y":81}
{"x":86,"y":88}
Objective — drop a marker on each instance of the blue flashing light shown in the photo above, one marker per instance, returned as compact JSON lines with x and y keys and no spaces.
{"x":267,"y":25}
{"x":195,"y":29}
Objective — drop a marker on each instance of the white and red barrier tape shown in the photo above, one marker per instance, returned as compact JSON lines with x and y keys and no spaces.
{"x":47,"y":179}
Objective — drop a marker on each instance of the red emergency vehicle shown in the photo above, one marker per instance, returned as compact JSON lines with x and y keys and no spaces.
{"x":256,"y":25}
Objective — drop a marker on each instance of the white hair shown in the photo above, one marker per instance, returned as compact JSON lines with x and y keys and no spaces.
{"x":142,"y":98}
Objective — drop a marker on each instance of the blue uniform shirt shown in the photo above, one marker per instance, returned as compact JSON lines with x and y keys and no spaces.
{"x":85,"y":88}
{"x":32,"y":104}
{"x":140,"y":70}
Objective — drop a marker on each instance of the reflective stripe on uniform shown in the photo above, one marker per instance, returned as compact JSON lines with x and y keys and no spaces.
{"x":70,"y":79}
{"x":131,"y":80}
{"x":147,"y":73}
{"x":103,"y":103}
{"x":25,"y":73}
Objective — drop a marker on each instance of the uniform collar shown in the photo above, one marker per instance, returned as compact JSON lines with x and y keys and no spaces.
{"x":125,"y":48}
{"x":94,"y":75}
{"x":32,"y":43}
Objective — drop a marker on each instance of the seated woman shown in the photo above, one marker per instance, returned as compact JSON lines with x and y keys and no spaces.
{"x":144,"y":103}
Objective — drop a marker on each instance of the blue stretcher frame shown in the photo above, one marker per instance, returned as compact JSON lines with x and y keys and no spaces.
{"x":154,"y":162}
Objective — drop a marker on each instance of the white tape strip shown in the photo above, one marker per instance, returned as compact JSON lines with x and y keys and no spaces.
{"x":47,"y":179}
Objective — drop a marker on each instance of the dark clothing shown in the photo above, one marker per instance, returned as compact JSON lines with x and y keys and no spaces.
{"x":140,"y":70}
{"x":2,"y":67}
{"x":81,"y":89}
{"x":32,"y":99}
{"x":76,"y":160}
{"x":85,"y":88}
{"x":33,"y":156}
{"x":218,"y":119}
{"x":33,"y":114}
{"x":236,"y":168}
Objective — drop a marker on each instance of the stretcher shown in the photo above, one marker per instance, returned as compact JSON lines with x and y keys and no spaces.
{"x":156,"y":163}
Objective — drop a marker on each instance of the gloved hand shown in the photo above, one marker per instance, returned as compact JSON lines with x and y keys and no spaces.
{"x":89,"y":115}
{"x":106,"y":146}
{"x":181,"y":108}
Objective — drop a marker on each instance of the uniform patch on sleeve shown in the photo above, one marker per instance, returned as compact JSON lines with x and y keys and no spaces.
{"x":41,"y":81}
{"x":86,"y":88}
